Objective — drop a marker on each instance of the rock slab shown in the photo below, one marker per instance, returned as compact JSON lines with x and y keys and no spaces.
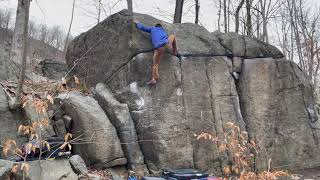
{"x":98,"y":144}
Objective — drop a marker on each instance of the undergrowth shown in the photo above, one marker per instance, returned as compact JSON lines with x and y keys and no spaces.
{"x":241,"y":155}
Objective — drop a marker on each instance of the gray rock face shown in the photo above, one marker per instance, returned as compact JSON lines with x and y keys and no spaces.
{"x":52,"y":69}
{"x":34,"y":116}
{"x":243,"y":46}
{"x":8,"y":120}
{"x":120,"y":117}
{"x":59,"y":128}
{"x":98,"y":144}
{"x":78,"y":165}
{"x":117,"y":41}
{"x":49,"y":170}
{"x":171,"y":112}
{"x":278,"y":107}
{"x":220,"y":78}
{"x":5,"y":169}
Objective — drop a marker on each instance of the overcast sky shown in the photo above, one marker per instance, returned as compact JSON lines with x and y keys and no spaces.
{"x":58,"y":12}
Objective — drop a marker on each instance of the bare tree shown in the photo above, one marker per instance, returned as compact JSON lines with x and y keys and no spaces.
{"x":219,"y":16}
{"x":293,"y":19}
{"x":5,"y":18}
{"x":237,"y":15}
{"x":300,"y":36}
{"x":225,"y":16}
{"x":56,"y":37}
{"x":43,"y":33}
{"x":228,"y":12}
{"x":32,"y":30}
{"x":249,"y":22}
{"x":70,"y":25}
{"x":197,"y":6}
{"x":18,"y":54}
{"x":98,"y":7}
{"x":257,"y":15}
{"x":129,"y":3}
{"x":178,"y":11}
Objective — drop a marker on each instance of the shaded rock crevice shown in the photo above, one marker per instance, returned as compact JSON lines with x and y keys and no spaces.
{"x":121,"y":119}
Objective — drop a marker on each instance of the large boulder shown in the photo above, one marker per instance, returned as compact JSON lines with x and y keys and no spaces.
{"x":98,"y":143}
{"x":78,"y":165}
{"x":220,"y":78}
{"x":106,"y":48}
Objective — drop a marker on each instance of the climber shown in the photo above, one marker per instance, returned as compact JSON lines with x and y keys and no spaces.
{"x":160,"y":42}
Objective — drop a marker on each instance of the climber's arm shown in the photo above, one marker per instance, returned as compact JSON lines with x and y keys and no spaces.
{"x":142,"y":27}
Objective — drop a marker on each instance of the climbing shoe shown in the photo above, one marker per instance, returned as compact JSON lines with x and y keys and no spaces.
{"x":152,"y":82}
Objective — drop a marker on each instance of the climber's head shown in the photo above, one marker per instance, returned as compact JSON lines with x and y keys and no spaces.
{"x":158,"y":25}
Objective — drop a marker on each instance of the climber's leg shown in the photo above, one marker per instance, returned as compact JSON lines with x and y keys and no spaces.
{"x":173,"y":44}
{"x":158,"y":53}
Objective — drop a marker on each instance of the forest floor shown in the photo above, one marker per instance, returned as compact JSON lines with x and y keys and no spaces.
{"x":310,"y":174}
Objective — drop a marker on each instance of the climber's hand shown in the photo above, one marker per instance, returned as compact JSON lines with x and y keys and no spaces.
{"x":135,"y":21}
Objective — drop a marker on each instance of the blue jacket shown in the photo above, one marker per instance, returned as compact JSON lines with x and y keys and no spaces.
{"x":159,"y":36}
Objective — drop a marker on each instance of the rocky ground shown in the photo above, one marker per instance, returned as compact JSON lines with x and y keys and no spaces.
{"x":310,"y":173}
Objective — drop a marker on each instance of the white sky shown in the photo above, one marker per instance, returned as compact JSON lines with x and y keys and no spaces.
{"x":58,"y":12}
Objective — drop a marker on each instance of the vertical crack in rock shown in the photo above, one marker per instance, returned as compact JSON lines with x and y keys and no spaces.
{"x":221,"y":162}
{"x":235,"y":99}
{"x":241,"y":108}
{"x":180,"y":85}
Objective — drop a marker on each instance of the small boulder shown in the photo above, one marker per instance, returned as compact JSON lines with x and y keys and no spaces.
{"x":49,"y":170}
{"x":5,"y":169}
{"x":78,"y":165}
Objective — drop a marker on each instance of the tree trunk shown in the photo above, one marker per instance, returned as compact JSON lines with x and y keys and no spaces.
{"x":225,"y":16}
{"x":228,"y":13}
{"x":129,"y":3}
{"x":19,"y":45}
{"x":99,"y":11}
{"x":294,"y":19}
{"x":197,"y":11}
{"x":265,"y":30}
{"x":265,"y":37}
{"x":237,"y":15}
{"x":258,"y":25}
{"x":18,"y":41}
{"x":219,"y":16}
{"x":249,"y":23}
{"x":70,"y":25}
{"x":178,"y":11}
